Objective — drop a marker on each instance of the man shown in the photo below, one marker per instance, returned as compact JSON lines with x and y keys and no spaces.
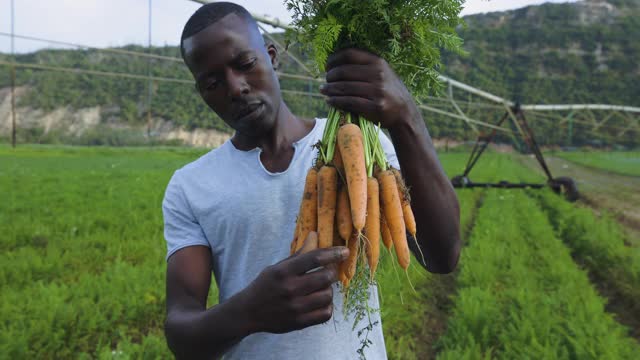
{"x":232,"y":212}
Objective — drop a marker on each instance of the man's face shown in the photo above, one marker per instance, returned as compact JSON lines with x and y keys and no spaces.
{"x":235,"y":75}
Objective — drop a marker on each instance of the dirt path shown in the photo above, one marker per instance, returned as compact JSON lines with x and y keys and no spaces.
{"x":619,"y":194}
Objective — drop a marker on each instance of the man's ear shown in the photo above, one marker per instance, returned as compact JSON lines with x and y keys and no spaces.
{"x":273,"y":55}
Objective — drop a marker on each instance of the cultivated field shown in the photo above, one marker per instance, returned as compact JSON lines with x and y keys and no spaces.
{"x":82,"y":273}
{"x":600,"y":188}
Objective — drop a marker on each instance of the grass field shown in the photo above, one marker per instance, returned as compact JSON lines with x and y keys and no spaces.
{"x":83,"y":266}
{"x":624,"y":163}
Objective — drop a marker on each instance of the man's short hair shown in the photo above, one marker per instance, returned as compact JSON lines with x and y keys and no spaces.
{"x":209,"y":14}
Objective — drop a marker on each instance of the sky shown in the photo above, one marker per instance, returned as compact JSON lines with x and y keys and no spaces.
{"x":103,"y":23}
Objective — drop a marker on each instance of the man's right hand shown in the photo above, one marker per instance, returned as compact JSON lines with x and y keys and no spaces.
{"x":289,"y":296}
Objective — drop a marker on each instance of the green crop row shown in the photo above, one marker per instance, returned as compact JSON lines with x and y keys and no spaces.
{"x":82,"y":252}
{"x":407,"y":334}
{"x":406,"y":314}
{"x":58,"y":320}
{"x":520,"y":295}
{"x":73,"y":211}
{"x":599,"y":243}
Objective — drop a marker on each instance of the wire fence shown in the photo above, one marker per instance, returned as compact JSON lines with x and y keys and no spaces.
{"x":162,"y":74}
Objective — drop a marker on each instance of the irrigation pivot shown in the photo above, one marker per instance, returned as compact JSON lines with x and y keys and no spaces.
{"x":563,"y":185}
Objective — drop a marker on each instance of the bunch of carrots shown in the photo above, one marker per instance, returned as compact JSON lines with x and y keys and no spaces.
{"x":353,"y":198}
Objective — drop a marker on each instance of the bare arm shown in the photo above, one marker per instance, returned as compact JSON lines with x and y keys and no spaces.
{"x":363,"y":83}
{"x":192,"y":331}
{"x":433,"y":200}
{"x":283,"y":298}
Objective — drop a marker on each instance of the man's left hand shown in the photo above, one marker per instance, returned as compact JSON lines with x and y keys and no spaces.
{"x":364,"y":83}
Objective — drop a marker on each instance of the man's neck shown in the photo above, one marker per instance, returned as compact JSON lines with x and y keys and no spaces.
{"x":286,"y":130}
{"x":277,"y":145}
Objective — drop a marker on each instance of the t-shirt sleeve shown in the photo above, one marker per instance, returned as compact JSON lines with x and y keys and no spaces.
{"x":389,"y":150}
{"x":181,"y":228}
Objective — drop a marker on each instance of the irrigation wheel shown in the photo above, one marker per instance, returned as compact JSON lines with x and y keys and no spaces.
{"x":566,"y":186}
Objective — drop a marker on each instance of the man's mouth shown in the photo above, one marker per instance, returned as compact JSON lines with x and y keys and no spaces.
{"x":246,"y":111}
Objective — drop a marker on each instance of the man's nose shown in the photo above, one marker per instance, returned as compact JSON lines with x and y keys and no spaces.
{"x":236,"y":85}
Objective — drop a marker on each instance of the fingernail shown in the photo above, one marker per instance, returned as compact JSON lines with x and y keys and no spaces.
{"x":344,"y":252}
{"x":323,"y":86}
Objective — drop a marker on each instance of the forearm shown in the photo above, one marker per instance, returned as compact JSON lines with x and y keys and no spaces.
{"x":433,"y":200}
{"x":194,"y":333}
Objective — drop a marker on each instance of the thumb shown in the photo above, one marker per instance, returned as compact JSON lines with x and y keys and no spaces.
{"x":310,"y":243}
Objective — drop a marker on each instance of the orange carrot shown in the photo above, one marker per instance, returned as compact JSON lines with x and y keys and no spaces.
{"x":343,"y":214}
{"x":327,"y":196}
{"x":311,"y":243}
{"x":393,"y":215}
{"x":337,"y":240}
{"x":342,"y":277}
{"x":352,"y":150}
{"x":409,"y":220}
{"x":337,"y":161}
{"x":372,"y":226}
{"x":295,"y":234}
{"x":386,"y":234}
{"x":348,"y":267}
{"x":308,"y":215}
{"x":407,"y":213}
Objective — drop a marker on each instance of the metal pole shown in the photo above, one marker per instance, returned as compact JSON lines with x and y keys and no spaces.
{"x":478,"y":92}
{"x":97,"y":49}
{"x":150,"y":82}
{"x":570,"y":133}
{"x":310,"y":91}
{"x":479,"y":149}
{"x":581,"y":107}
{"x":13,"y":78}
{"x":455,"y":105}
{"x":533,"y":144}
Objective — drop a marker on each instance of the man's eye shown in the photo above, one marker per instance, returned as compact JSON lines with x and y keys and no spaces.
{"x":248,"y":65}
{"x":212,"y":85}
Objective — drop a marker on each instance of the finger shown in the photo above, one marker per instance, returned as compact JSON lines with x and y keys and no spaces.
{"x":316,"y":258}
{"x":351,"y":72}
{"x":313,"y":301}
{"x":354,"y":104}
{"x":315,"y":317}
{"x":310,"y":243}
{"x":350,"y":56}
{"x":316,"y":280}
{"x":349,"y":88}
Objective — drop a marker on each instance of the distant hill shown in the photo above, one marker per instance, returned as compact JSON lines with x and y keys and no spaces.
{"x":553,"y":53}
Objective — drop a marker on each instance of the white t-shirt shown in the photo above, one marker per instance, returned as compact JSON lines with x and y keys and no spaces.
{"x":226,"y":200}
